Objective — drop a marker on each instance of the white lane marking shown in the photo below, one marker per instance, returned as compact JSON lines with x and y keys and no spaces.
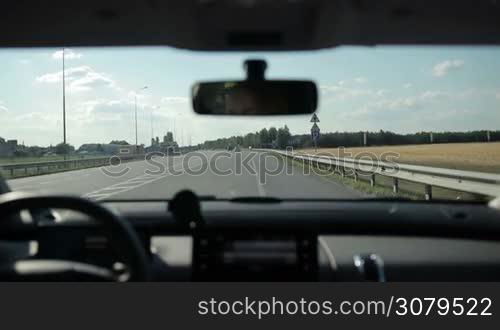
{"x":260,"y":187}
{"x":126,"y":185}
{"x":115,"y":189}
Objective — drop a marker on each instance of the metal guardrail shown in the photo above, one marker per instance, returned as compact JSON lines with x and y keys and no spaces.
{"x":36,"y":168}
{"x":486,"y":184}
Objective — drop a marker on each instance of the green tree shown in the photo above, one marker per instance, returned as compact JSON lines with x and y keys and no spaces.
{"x":273,"y":134}
{"x":264,"y":136}
{"x":64,"y":149}
{"x":120,"y":142}
{"x":283,"y":138}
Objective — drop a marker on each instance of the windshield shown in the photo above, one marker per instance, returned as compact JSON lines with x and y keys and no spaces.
{"x":403,"y":122}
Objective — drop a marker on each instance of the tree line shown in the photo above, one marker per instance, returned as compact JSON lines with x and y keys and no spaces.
{"x":281,"y":138}
{"x":265,"y":138}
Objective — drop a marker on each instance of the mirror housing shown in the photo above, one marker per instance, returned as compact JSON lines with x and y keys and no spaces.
{"x":255,"y":95}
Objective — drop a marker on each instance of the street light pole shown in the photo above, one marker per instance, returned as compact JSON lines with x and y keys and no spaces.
{"x":135,"y":98}
{"x":152,"y":109}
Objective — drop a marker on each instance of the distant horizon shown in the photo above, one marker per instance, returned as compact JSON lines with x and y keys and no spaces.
{"x":293,"y":134}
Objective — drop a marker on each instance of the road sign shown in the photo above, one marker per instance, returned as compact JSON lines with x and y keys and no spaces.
{"x":314,"y":119}
{"x":315,"y":132}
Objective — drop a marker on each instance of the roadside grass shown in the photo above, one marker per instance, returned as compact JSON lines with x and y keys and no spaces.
{"x":383,"y":186}
{"x":482,"y":157}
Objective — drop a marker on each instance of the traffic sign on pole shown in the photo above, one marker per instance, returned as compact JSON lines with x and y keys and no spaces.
{"x":314,"y":119}
{"x":315,"y":133}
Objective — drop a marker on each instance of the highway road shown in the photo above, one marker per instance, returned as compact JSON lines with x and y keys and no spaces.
{"x":217,"y":173}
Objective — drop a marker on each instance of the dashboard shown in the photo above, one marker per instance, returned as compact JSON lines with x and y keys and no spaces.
{"x":295,"y":241}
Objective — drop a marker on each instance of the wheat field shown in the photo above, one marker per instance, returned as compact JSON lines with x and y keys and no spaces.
{"x":483,"y":157}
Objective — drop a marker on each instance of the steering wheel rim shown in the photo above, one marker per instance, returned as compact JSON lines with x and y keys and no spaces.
{"x":120,"y":233}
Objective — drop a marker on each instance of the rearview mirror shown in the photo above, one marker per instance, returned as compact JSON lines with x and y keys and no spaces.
{"x":255,"y":95}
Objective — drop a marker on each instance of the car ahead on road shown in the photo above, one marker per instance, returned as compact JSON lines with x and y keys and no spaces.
{"x":394,"y":178}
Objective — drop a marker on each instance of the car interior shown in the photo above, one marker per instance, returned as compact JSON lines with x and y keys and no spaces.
{"x":193,"y":237}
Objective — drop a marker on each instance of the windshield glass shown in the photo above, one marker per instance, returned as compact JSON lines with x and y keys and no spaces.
{"x":410,"y":122}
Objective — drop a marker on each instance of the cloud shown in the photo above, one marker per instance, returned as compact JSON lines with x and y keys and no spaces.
{"x":81,"y":78}
{"x":3,"y":108}
{"x":433,"y":95}
{"x":101,"y":106}
{"x":174,"y":99}
{"x":24,"y":61}
{"x":69,"y":54}
{"x":140,"y":94}
{"x":341,"y":92}
{"x":385,"y":108}
{"x":37,"y":121}
{"x":407,"y":85}
{"x":443,"y":68}
{"x":360,"y":80}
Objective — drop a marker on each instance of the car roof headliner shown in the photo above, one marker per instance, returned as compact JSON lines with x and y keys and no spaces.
{"x":227,"y":25}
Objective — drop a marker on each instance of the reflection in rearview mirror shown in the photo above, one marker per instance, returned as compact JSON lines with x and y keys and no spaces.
{"x":265,"y":97}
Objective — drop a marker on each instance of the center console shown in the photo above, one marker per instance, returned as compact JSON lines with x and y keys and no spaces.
{"x":254,"y":257}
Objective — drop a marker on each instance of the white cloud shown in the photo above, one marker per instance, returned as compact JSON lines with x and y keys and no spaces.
{"x":35,"y":118}
{"x":348,"y":89}
{"x":140,"y":94}
{"x":174,"y":99}
{"x":81,"y":78}
{"x":433,"y":95}
{"x":69,"y":54}
{"x":387,"y":108}
{"x":24,"y":61}
{"x":443,"y":68}
{"x":3,"y":108}
{"x":342,"y":92}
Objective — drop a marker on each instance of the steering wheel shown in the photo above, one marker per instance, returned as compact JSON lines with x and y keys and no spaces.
{"x":120,"y":234}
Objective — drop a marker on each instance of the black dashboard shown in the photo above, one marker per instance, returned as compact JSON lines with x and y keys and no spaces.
{"x":296,"y":241}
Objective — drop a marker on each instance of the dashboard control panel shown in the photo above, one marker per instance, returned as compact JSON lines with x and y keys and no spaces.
{"x":255,"y":257}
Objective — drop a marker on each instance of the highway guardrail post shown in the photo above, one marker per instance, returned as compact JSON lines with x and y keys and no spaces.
{"x":428,"y":192}
{"x":395,"y":185}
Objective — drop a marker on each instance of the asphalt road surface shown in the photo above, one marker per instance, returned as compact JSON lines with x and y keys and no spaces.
{"x":218,"y":173}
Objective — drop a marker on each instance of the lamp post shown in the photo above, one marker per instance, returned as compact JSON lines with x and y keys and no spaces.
{"x":152,"y":109}
{"x":135,"y":98}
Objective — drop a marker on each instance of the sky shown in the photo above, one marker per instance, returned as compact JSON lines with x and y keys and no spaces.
{"x":401,"y":89}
